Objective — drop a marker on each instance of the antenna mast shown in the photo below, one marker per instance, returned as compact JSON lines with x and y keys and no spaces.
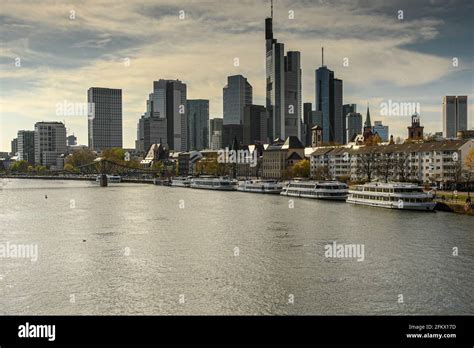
{"x":322,"y":56}
{"x":271,"y":8}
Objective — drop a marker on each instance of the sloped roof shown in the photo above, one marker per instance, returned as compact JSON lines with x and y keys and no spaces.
{"x":292,"y":142}
{"x":295,"y":156}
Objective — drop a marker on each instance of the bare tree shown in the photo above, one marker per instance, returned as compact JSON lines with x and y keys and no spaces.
{"x":322,"y":173}
{"x":384,"y":166}
{"x":402,"y":166}
{"x":366,"y":165}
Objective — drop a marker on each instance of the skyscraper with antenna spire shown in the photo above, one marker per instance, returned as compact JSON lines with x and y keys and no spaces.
{"x":329,"y":100}
{"x":283,"y":86}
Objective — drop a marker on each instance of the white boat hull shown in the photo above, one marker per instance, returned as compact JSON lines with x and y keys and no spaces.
{"x":425,"y":206}
{"x":316,"y":196}
{"x":210,"y":187}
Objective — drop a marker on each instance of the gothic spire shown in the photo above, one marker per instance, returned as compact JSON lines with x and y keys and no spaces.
{"x":367,"y":118}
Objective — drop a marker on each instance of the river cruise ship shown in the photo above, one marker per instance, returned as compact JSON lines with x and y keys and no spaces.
{"x":181,"y":181}
{"x":260,"y":186}
{"x":392,"y":195}
{"x":330,"y":190}
{"x":211,"y":183}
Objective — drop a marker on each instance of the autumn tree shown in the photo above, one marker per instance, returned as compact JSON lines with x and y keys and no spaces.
{"x":301,"y":169}
{"x":80,"y":157}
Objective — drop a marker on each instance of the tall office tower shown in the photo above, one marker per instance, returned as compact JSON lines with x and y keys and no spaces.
{"x":255,"y":124}
{"x":105,"y":124}
{"x":26,"y":146}
{"x":454,"y":115}
{"x":215,"y":131}
{"x":381,"y":130}
{"x":50,"y":142}
{"x":329,"y":102}
{"x":165,"y":120}
{"x":237,"y":93}
{"x":169,"y":99}
{"x":339,"y":117}
{"x":293,"y":102}
{"x":354,"y":125}
{"x":306,"y":128}
{"x":346,"y":108}
{"x":14,"y":146}
{"x":198,"y":124}
{"x":152,"y":127}
{"x":150,"y":130}
{"x":275,"y":81}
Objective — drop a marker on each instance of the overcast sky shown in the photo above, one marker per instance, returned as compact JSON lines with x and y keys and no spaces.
{"x":408,"y":60}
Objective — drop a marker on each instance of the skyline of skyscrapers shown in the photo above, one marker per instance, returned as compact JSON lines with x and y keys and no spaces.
{"x":283,"y":103}
{"x":454,"y":115}
{"x":105,"y":122}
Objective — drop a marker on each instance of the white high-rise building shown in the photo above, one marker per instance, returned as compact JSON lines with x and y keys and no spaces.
{"x":50,"y":142}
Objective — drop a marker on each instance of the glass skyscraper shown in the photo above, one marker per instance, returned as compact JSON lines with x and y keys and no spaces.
{"x":329,"y":102}
{"x":237,"y":93}
{"x":198,"y":124}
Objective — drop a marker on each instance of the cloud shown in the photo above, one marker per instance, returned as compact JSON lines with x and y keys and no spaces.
{"x":62,"y":58}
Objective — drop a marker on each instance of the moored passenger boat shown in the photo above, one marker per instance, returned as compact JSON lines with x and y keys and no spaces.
{"x":260,"y":186}
{"x":330,"y":190}
{"x":392,"y":195}
{"x":211,"y":183}
{"x":181,"y":181}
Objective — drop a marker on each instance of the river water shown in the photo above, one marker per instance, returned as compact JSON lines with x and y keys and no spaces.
{"x":144,"y":249}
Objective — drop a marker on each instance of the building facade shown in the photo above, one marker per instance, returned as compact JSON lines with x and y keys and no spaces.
{"x":275,"y":81}
{"x":279,"y":156}
{"x":454,"y":115}
{"x":50,"y":142}
{"x":237,"y":93}
{"x":439,"y":162}
{"x":215,"y":131}
{"x":329,"y":98}
{"x":198,"y":124}
{"x":415,"y":131}
{"x":293,"y":102}
{"x":354,"y":125}
{"x":26,"y":146}
{"x":231,"y":132}
{"x":255,"y":124}
{"x":14,"y":146}
{"x":381,"y":130}
{"x":105,"y":123}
